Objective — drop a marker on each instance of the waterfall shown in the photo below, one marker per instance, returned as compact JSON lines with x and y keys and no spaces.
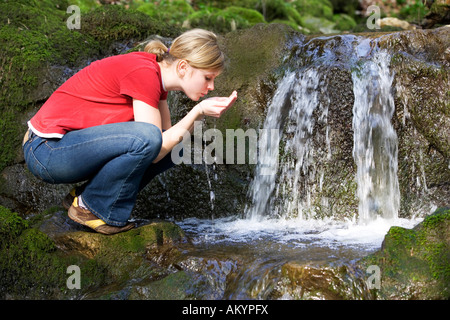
{"x":299,"y":91}
{"x":375,"y":141}
{"x":294,"y":190}
{"x":263,"y":185}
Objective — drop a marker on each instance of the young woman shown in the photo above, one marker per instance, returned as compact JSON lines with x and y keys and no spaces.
{"x":109,"y":125}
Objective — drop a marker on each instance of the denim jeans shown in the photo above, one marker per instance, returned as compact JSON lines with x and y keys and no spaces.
{"x":115,"y":160}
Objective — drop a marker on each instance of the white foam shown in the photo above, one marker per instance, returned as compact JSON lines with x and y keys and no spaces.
{"x":294,"y":232}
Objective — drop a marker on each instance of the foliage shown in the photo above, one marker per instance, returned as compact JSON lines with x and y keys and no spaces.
{"x":114,"y":23}
{"x":413,"y":12}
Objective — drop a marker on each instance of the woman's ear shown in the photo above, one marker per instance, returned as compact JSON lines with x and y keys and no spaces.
{"x":182,"y":67}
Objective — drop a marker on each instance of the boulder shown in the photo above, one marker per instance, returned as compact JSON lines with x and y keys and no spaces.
{"x":415,"y":263}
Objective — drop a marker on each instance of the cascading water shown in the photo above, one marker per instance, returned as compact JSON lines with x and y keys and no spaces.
{"x":289,"y":193}
{"x":280,"y":194}
{"x":263,"y":185}
{"x":375,"y":141}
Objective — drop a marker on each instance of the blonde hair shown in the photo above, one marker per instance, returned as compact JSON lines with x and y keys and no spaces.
{"x":198,"y":47}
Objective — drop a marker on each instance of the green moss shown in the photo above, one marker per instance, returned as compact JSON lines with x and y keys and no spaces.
{"x":251,"y":16}
{"x":107,"y":24}
{"x":316,"y":8}
{"x":172,"y":12}
{"x":31,"y":266}
{"x":436,"y":220}
{"x":33,"y":35}
{"x":412,"y":257}
{"x":11,"y":226}
{"x":344,"y":22}
{"x":217,"y":20}
{"x":86,"y":5}
{"x":433,"y":238}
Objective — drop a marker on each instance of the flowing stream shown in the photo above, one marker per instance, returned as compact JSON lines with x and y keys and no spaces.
{"x":282,"y":223}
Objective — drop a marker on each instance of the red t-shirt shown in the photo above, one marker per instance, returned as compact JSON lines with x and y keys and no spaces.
{"x":101,"y":93}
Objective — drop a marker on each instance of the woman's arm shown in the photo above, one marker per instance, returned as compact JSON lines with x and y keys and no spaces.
{"x":163,"y":108}
{"x":213,"y":107}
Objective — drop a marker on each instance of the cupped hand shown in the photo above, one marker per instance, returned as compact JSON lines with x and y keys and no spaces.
{"x":216,"y":106}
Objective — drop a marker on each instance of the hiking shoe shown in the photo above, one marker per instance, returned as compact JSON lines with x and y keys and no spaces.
{"x":88,"y":219}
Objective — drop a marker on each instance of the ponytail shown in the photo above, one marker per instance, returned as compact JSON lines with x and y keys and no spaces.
{"x":157,"y":48}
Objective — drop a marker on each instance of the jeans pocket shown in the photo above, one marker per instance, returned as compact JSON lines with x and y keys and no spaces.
{"x":35,"y":155}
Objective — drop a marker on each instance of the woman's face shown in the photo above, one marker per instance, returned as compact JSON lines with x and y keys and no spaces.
{"x":198,"y":82}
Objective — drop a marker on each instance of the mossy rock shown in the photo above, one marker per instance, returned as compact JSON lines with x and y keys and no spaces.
{"x":31,"y":266}
{"x":222,"y":21}
{"x":415,"y":263}
{"x":344,"y":22}
{"x":172,"y":12}
{"x":135,"y":241}
{"x":109,"y":23}
{"x":321,"y":8}
{"x":175,"y":286}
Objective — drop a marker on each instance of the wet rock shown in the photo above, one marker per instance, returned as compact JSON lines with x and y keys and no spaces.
{"x":140,"y":240}
{"x":145,"y":254}
{"x":322,"y":282}
{"x":32,"y":267}
{"x":415,"y":263}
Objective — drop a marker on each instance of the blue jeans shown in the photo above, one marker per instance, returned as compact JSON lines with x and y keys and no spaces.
{"x":115,"y":159}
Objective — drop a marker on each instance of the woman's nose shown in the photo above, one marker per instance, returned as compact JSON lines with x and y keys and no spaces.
{"x":211,"y":86}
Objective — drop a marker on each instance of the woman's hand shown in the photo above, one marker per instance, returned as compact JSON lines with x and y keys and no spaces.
{"x":216,"y":106}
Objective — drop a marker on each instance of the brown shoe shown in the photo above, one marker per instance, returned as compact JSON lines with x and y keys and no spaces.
{"x":88,"y":219}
